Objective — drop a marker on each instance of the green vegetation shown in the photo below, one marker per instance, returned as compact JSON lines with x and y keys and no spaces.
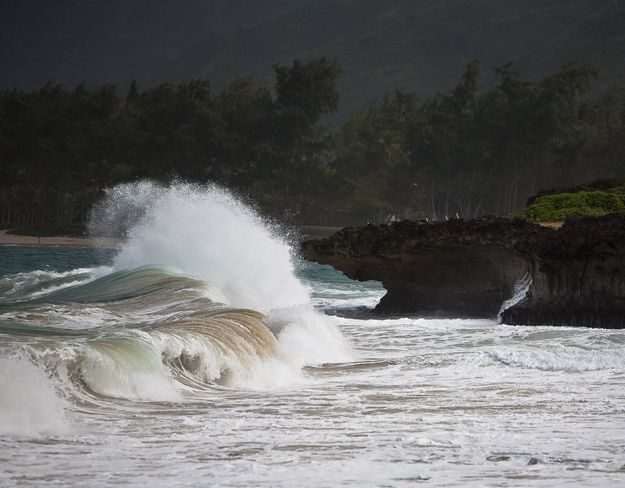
{"x":470,"y":151}
{"x":555,"y":208}
{"x":475,"y":151}
{"x":612,"y":185}
{"x":60,"y":149}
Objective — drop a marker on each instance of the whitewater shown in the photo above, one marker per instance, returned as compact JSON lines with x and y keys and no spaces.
{"x":203,"y":352}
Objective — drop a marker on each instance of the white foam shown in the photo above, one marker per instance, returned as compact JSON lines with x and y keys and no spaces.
{"x":561,"y":358}
{"x":28,"y":402}
{"x":520,"y":292}
{"x":306,"y":337}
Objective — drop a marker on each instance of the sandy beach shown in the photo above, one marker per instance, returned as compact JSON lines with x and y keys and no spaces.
{"x":18,"y":240}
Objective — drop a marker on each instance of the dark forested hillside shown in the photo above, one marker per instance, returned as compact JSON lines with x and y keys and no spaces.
{"x":60,"y":147}
{"x":468,"y":151}
{"x":598,"y":37}
{"x":415,"y":45}
{"x":420,"y":127}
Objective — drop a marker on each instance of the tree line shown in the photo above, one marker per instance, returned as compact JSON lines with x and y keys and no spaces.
{"x":475,"y":151}
{"x":471,"y":151}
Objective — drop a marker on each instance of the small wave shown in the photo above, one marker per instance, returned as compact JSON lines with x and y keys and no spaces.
{"x":420,"y":322}
{"x":126,"y":284}
{"x":563,"y":358}
{"x":25,"y":286}
{"x":332,"y":290}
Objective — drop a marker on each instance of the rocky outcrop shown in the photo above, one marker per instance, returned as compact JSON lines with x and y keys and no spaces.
{"x":469,"y":268}
{"x":456,"y":268}
{"x":578,"y":276}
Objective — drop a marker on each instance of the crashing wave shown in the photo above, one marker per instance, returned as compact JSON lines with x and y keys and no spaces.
{"x":201,"y":296}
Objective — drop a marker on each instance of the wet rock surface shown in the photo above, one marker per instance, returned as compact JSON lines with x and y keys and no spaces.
{"x":578,"y":276}
{"x":468,"y":268}
{"x":456,"y":268}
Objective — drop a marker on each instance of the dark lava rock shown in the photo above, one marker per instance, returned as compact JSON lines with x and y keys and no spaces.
{"x":578,"y":276}
{"x":468,"y":268}
{"x":457,"y":268}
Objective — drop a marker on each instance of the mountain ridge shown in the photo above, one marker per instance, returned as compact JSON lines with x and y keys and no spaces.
{"x":420,"y":46}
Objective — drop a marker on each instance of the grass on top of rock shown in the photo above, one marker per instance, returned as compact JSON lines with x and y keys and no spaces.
{"x":557,"y":207}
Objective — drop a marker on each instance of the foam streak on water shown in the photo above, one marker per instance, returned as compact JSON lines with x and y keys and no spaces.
{"x":139,"y":373}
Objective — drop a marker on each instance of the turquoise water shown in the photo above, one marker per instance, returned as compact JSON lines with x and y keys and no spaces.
{"x":19,"y":259}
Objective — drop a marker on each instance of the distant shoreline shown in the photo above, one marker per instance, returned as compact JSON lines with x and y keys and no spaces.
{"x":20,"y":240}
{"x":308,"y":232}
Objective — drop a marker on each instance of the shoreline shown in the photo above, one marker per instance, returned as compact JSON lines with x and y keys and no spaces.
{"x":308,"y":232}
{"x":21,"y":240}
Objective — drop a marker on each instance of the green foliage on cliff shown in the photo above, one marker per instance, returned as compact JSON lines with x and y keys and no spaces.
{"x":554,"y":208}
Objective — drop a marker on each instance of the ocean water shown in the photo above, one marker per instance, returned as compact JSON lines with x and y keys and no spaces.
{"x":202,"y":352}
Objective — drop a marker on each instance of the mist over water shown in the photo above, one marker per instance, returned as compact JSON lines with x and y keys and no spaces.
{"x":203,"y":232}
{"x":202,"y":353}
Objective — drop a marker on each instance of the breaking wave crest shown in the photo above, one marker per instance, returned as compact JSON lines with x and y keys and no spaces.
{"x":201,"y":296}
{"x":206,"y":233}
{"x":142,"y":334}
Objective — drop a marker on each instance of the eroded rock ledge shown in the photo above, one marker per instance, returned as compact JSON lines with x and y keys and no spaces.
{"x":469,"y":268}
{"x":578,"y":276}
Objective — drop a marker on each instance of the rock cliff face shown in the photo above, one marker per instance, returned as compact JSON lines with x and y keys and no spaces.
{"x":469,"y":268}
{"x":578,"y":276}
{"x":456,"y":268}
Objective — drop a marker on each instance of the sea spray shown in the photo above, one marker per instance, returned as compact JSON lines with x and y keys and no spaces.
{"x":202,"y":231}
{"x":201,"y":295}
{"x":520,"y":292}
{"x":306,"y":337}
{"x":205,"y":232}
